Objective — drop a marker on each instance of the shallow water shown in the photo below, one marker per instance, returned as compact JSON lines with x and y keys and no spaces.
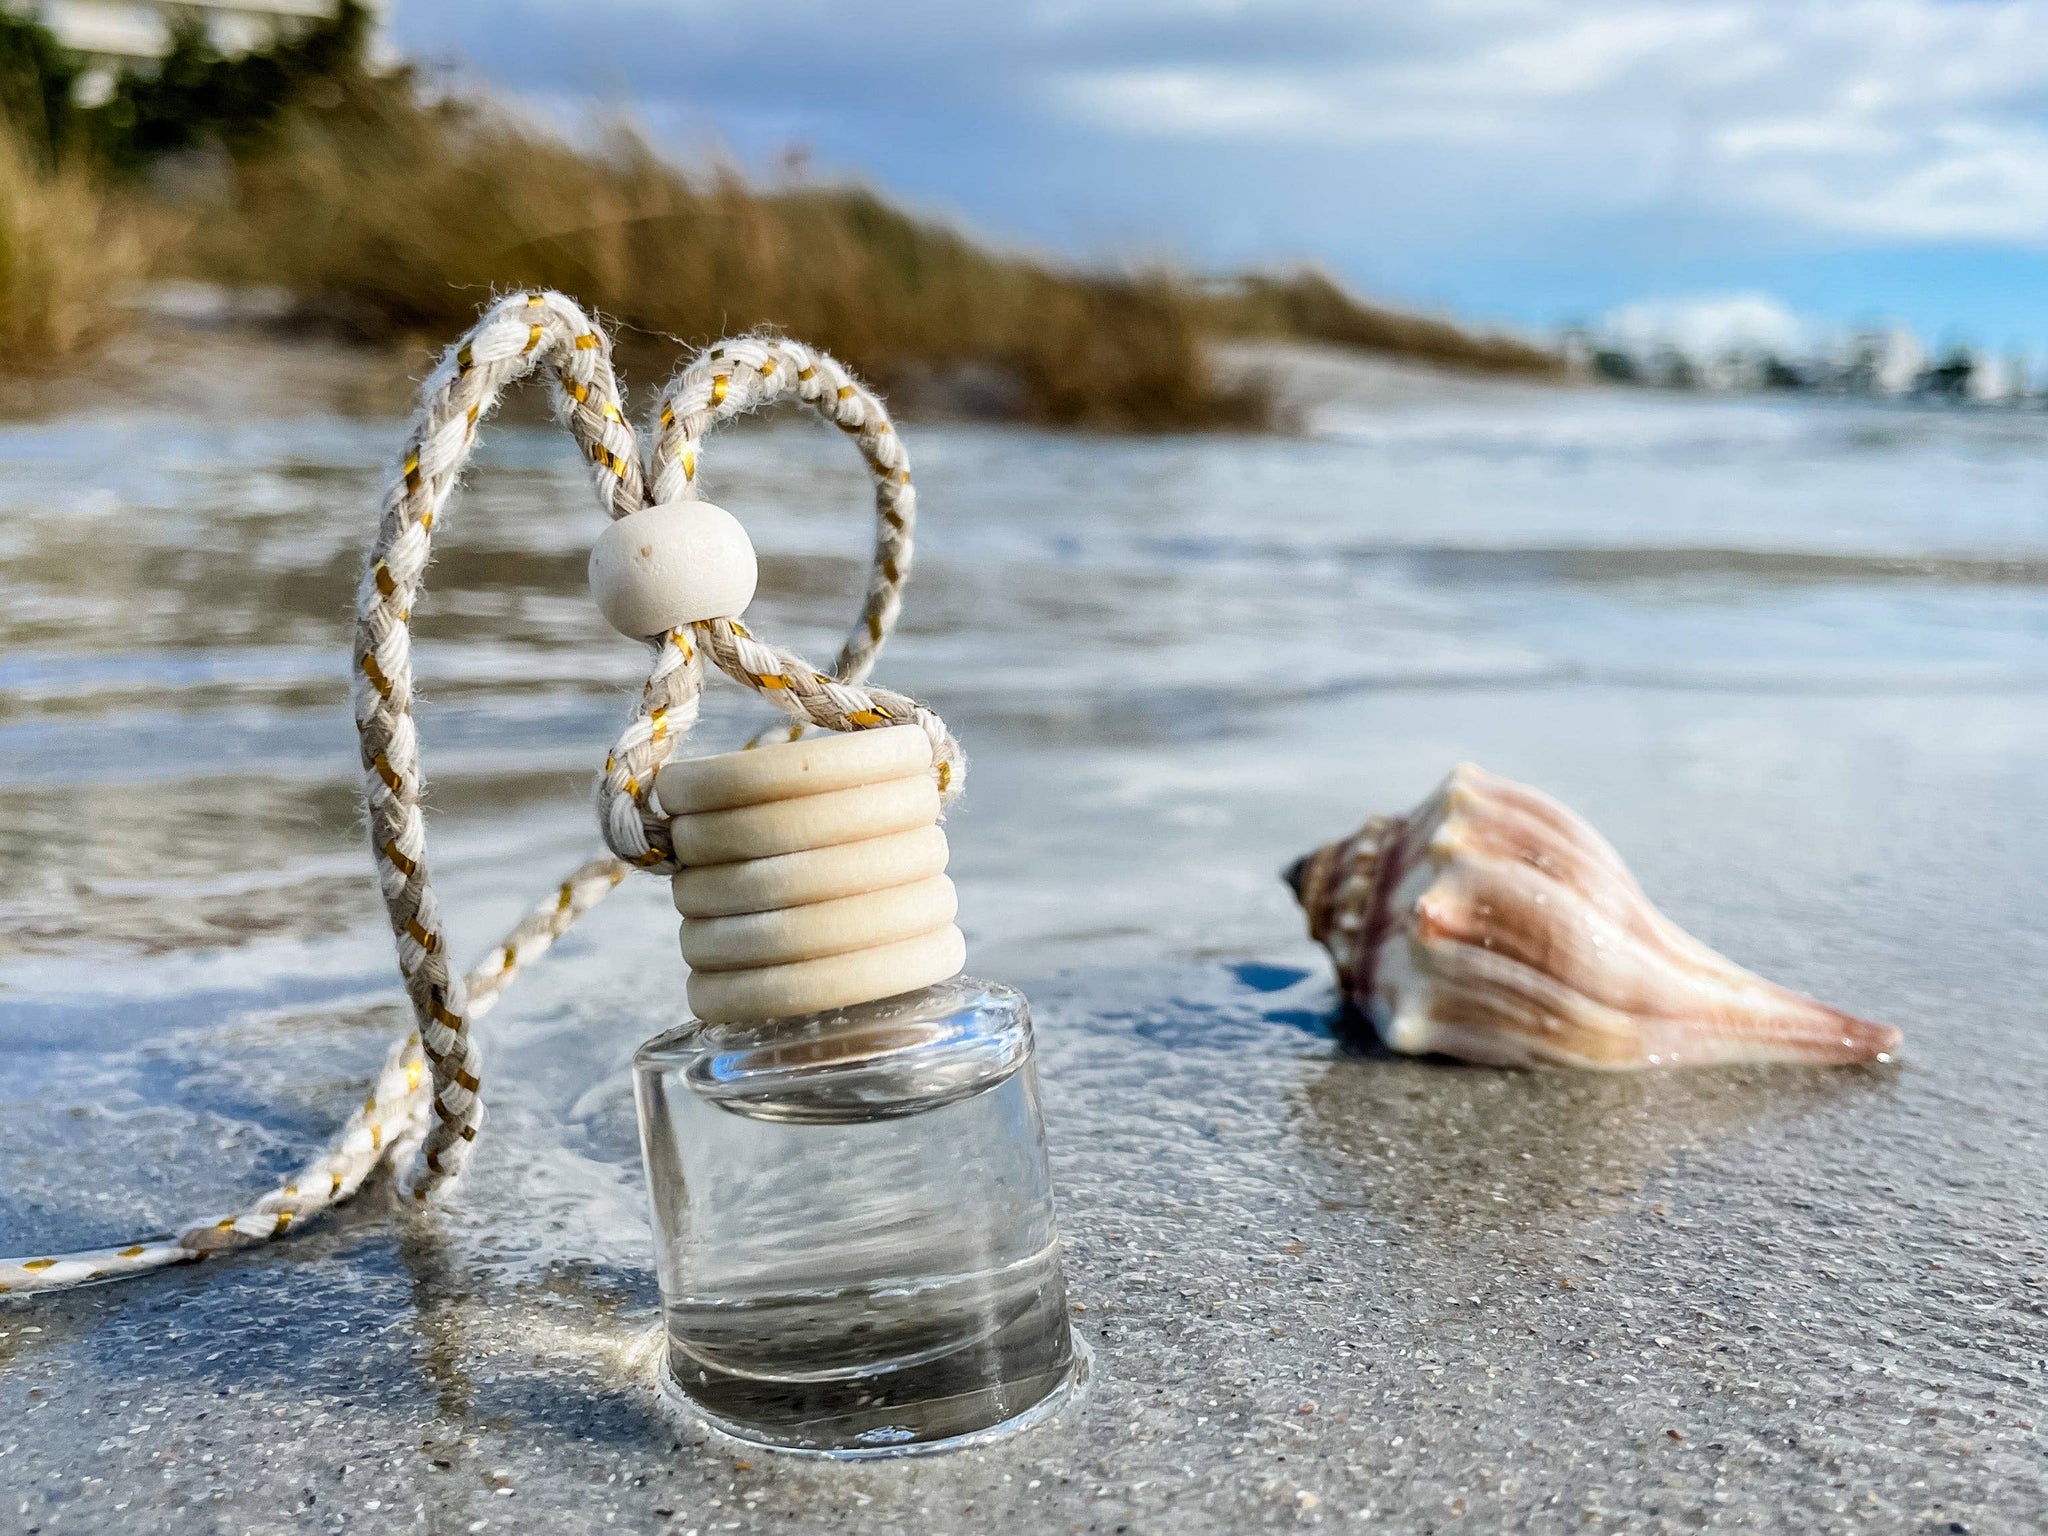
{"x":1791,"y":656}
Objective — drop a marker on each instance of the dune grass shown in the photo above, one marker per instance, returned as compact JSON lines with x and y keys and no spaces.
{"x":1309,"y":305}
{"x":66,"y":246}
{"x":397,"y":216}
{"x":400,"y":218}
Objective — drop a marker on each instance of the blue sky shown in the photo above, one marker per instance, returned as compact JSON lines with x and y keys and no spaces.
{"x":1526,"y":161}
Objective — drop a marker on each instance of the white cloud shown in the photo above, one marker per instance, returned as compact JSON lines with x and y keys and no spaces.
{"x":1711,"y":325}
{"x":1243,"y":104}
{"x":1906,"y":120}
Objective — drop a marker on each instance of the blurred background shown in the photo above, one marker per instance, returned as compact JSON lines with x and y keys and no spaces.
{"x":1046,"y":212}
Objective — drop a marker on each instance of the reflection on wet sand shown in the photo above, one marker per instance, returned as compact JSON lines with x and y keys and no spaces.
{"x":571,"y":1349}
{"x":1454,"y":1153}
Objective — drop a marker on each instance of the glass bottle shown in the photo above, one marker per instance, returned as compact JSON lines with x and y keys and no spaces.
{"x":854,"y":1219}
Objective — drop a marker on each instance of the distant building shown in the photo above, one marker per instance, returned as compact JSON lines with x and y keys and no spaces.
{"x":1987,"y":382}
{"x":2019,"y":377}
{"x":1888,"y":362}
{"x":117,"y":34}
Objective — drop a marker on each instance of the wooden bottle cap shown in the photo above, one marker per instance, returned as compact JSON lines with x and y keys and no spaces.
{"x":809,"y":821}
{"x":814,"y":765}
{"x":812,"y":875}
{"x":834,"y":981}
{"x":821,"y":928}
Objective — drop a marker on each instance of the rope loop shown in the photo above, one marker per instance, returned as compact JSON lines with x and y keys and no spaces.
{"x":725,"y":381}
{"x":425,"y":1110}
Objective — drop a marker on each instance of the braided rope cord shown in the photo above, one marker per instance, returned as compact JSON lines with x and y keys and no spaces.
{"x":424,"y":1111}
{"x":729,"y":380}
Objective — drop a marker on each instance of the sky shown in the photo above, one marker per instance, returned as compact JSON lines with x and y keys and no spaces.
{"x":1523,"y":162}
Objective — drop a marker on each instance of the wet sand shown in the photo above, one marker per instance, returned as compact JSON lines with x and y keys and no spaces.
{"x":1323,"y":1288}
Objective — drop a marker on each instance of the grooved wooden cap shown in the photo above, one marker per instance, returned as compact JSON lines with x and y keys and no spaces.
{"x":809,"y":821}
{"x":821,"y":928}
{"x":836,"y":981}
{"x":810,"y":875}
{"x":786,"y":770}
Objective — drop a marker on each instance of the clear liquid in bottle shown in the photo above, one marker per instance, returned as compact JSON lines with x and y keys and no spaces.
{"x":855,"y":1223}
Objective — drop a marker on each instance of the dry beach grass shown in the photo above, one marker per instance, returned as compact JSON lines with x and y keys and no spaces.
{"x":393,"y":217}
{"x":398,"y":218}
{"x":64,"y":244}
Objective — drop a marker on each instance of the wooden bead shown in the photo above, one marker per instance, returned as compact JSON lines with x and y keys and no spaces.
{"x":813,"y":765}
{"x":835,"y":981}
{"x":665,"y":566}
{"x":812,"y":875}
{"x":821,"y":928}
{"x":812,"y":821}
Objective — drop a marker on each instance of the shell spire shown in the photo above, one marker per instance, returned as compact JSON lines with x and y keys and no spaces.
{"x":1493,"y":924}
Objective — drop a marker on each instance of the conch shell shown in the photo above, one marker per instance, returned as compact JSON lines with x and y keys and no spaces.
{"x":1493,"y":924}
